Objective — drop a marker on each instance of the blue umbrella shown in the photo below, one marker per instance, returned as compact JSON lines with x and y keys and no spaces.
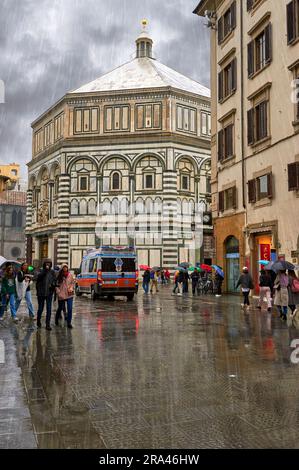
{"x":218,"y":270}
{"x":264,"y":262}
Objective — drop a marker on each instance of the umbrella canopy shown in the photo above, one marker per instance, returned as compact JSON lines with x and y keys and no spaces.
{"x":144,"y":267}
{"x":180,"y":268}
{"x":206,"y":267}
{"x":264,"y":262}
{"x":185,"y":265}
{"x":279,"y":266}
{"x":157,"y":268}
{"x":218,"y":270}
{"x":194,"y":268}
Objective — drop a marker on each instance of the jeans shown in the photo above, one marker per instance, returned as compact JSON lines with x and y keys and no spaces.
{"x":28,"y":300}
{"x":61,"y":308}
{"x":194,"y":286}
{"x":145,"y":286}
{"x":12,"y":303}
{"x":176,"y":285}
{"x":265,"y":292}
{"x":41,"y":303}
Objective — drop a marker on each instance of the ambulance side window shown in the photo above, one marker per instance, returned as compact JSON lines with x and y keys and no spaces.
{"x":91,"y":265}
{"x":84,"y":266}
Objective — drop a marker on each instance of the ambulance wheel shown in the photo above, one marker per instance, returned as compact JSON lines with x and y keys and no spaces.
{"x":130,"y":297}
{"x":77,"y":292}
{"x":94,"y":296}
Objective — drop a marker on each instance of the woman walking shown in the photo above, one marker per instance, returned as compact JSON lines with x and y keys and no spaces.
{"x":246,"y":283}
{"x":281,"y":299}
{"x":293,"y":290}
{"x":65,"y":293}
{"x":265,"y":289}
{"x":24,"y":279}
{"x":9,"y":293}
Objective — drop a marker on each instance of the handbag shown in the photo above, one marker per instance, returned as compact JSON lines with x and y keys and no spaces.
{"x":293,"y":319}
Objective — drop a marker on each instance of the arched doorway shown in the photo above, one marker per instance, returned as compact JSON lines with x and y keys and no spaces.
{"x":232,"y":257}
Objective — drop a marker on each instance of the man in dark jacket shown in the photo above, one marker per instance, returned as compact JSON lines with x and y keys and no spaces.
{"x":45,"y":286}
{"x":146,"y":280}
{"x":195,"y":279}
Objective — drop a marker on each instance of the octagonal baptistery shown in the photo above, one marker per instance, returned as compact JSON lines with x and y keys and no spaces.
{"x":128,"y":150}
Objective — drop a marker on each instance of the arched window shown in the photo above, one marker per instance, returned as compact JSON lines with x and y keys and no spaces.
{"x":91,"y":207}
{"x":14,"y":218}
{"x":115,"y":180}
{"x":74,"y":207}
{"x":44,"y":185}
{"x":20,"y":219}
{"x":83,"y":207}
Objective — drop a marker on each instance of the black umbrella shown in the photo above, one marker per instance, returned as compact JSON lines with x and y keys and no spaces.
{"x":185,"y":265}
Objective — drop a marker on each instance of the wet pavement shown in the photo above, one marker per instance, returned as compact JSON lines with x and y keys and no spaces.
{"x":159,"y":372}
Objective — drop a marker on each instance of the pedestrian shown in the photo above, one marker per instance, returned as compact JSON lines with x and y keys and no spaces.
{"x":154,"y":280}
{"x":163,"y":277}
{"x":194,"y":280}
{"x":281,"y":298}
{"x":181,"y":280}
{"x":146,"y":280}
{"x":186,"y":282}
{"x":293,"y":290}
{"x":265,"y":284}
{"x":218,"y":284}
{"x":176,"y":282}
{"x":65,"y":291}
{"x":9,"y":293}
{"x":167,"y":276}
{"x":24,"y":279}
{"x":246,"y":283}
{"x":45,"y":286}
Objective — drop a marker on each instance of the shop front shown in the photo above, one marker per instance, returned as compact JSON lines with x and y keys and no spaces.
{"x":232,"y":261}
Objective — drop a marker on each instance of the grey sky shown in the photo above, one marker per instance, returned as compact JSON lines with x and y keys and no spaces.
{"x":49,"y":47}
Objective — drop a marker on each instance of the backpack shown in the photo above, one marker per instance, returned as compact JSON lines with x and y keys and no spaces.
{"x":295,"y":286}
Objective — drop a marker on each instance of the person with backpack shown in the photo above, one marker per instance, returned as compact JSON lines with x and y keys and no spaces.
{"x":65,"y":287}
{"x":9,"y":293}
{"x":293,"y":290}
{"x":23,"y":281}
{"x":146,"y":280}
{"x":246,"y":283}
{"x":154,"y":281}
{"x":45,"y":286}
{"x":265,"y":284}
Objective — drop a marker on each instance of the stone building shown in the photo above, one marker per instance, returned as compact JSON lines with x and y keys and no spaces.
{"x":12,"y":224}
{"x":255,"y":131}
{"x":131,"y":148}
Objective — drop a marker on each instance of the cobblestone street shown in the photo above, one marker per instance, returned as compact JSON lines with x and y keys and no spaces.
{"x":159,"y":372}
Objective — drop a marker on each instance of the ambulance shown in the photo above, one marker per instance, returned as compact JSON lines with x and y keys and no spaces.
{"x":107,"y":272}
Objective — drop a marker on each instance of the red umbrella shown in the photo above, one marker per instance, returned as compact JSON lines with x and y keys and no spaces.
{"x":144,"y":267}
{"x":206,"y":267}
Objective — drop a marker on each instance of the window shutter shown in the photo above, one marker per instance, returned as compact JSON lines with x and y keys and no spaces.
{"x":234,"y":74}
{"x":293,"y":176}
{"x":251,"y":191}
{"x":234,"y":197}
{"x":233,"y":15}
{"x":250,"y":126}
{"x":220,"y":145}
{"x":270,"y":185}
{"x":249,"y":4}
{"x":229,"y":141}
{"x":221,"y":201}
{"x":220,"y":86}
{"x":220,"y":30}
{"x":268,"y":40}
{"x":291,"y":21}
{"x":250,"y":58}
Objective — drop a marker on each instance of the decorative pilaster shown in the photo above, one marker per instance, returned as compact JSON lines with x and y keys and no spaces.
{"x":169,"y":220}
{"x":63,"y":197}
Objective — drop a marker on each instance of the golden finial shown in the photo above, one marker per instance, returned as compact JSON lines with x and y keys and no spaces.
{"x":144,"y":23}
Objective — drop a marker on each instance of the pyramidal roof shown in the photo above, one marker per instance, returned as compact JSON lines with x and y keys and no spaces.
{"x":143,"y":73}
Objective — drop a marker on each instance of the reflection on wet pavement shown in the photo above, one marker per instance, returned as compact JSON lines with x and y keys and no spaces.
{"x":160,"y":372}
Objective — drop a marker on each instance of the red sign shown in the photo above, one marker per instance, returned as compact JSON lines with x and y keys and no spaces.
{"x":265,"y":252}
